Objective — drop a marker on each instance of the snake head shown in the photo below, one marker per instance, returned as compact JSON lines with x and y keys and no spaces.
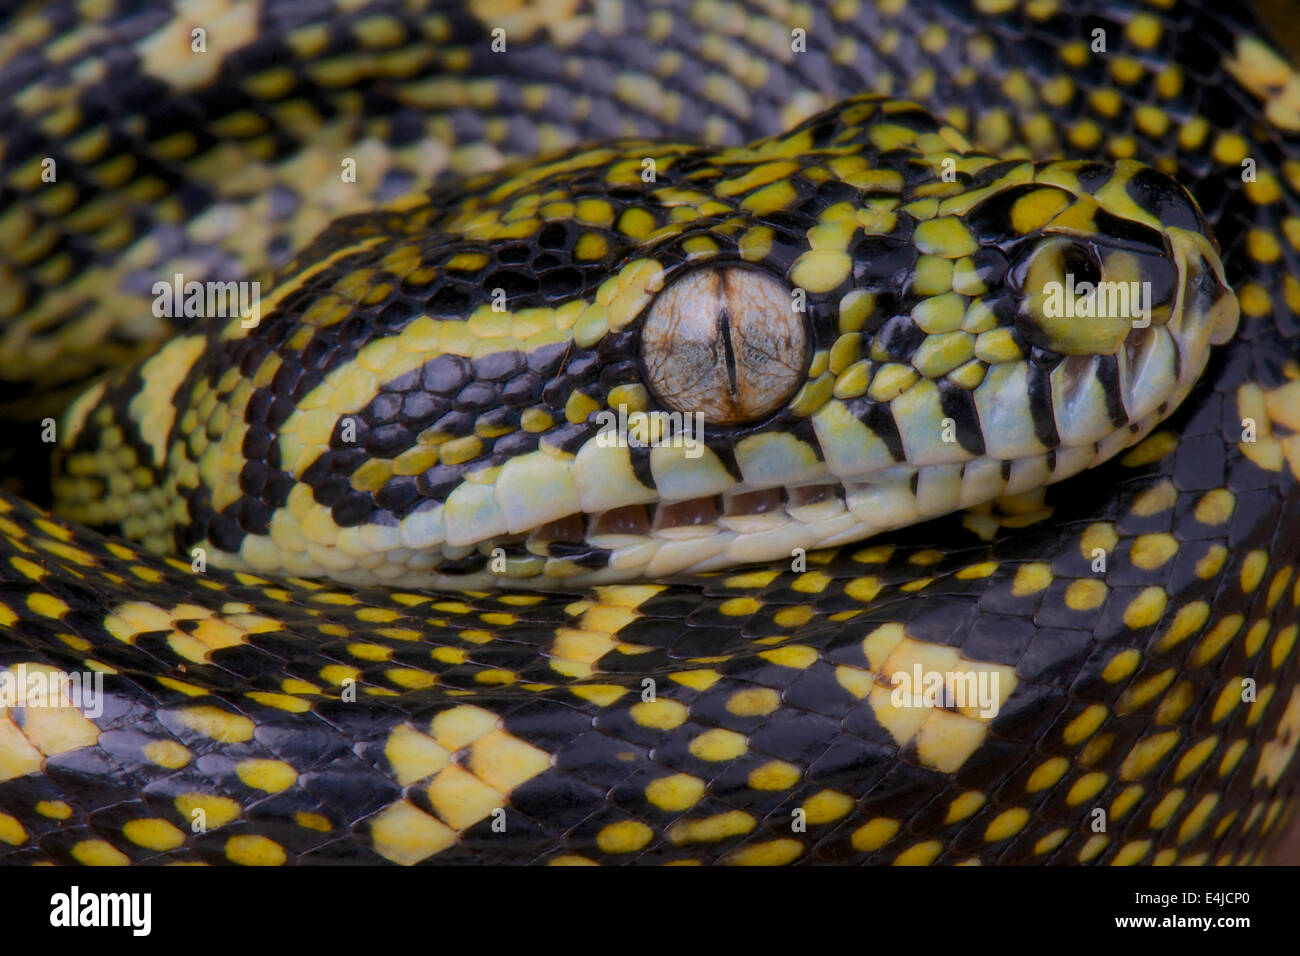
{"x":961,"y":337}
{"x":638,"y":359}
{"x":1117,"y":278}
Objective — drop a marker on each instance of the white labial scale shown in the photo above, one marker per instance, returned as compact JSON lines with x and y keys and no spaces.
{"x":629,"y":559}
{"x":301,"y":564}
{"x":259,"y":552}
{"x":535,"y":489}
{"x":753,"y":524}
{"x":484,"y":580}
{"x":774,"y":545}
{"x":330,"y":558}
{"x":719,"y":562}
{"x":919,"y":415}
{"x":604,"y":479}
{"x":838,"y":530}
{"x":423,"y":560}
{"x":776,"y":460}
{"x":1079,"y":405}
{"x":675,"y":557}
{"x":349,"y":541}
{"x":423,"y":528}
{"x":818,"y":512}
{"x":400,"y":555}
{"x":686,"y":532}
{"x":681,"y":478}
{"x":894,"y":475}
{"x":1005,"y":419}
{"x":981,"y":481}
{"x":380,"y":537}
{"x":472,"y":513}
{"x":938,"y":489}
{"x":882,"y":506}
{"x":454,"y":552}
{"x":617,"y":542}
{"x":850,"y":447}
{"x":373,"y":559}
{"x":1027,"y":473}
{"x":1153,"y":379}
{"x":1071,"y":461}
{"x":357,"y":577}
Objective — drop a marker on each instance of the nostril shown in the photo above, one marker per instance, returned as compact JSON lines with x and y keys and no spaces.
{"x":1080,"y":261}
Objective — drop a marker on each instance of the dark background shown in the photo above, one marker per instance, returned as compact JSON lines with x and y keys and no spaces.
{"x":1281,"y":17}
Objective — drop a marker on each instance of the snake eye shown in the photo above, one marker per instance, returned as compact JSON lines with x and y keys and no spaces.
{"x":726,"y":342}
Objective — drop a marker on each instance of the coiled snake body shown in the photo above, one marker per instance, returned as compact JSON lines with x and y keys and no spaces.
{"x":384,"y":590}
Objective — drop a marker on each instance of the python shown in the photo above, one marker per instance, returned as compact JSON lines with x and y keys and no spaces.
{"x":349,"y":680}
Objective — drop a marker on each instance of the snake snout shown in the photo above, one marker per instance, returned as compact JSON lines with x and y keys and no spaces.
{"x":1208,"y":306}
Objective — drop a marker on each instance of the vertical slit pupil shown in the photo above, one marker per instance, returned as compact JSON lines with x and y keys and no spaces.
{"x":728,"y":348}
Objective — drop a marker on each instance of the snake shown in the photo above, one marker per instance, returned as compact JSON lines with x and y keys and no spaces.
{"x":614,"y":432}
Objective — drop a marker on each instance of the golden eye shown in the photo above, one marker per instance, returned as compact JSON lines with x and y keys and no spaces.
{"x":724,"y":341}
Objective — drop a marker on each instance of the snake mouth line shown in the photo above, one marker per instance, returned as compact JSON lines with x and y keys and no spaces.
{"x":719,"y":531}
{"x":742,"y":513}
